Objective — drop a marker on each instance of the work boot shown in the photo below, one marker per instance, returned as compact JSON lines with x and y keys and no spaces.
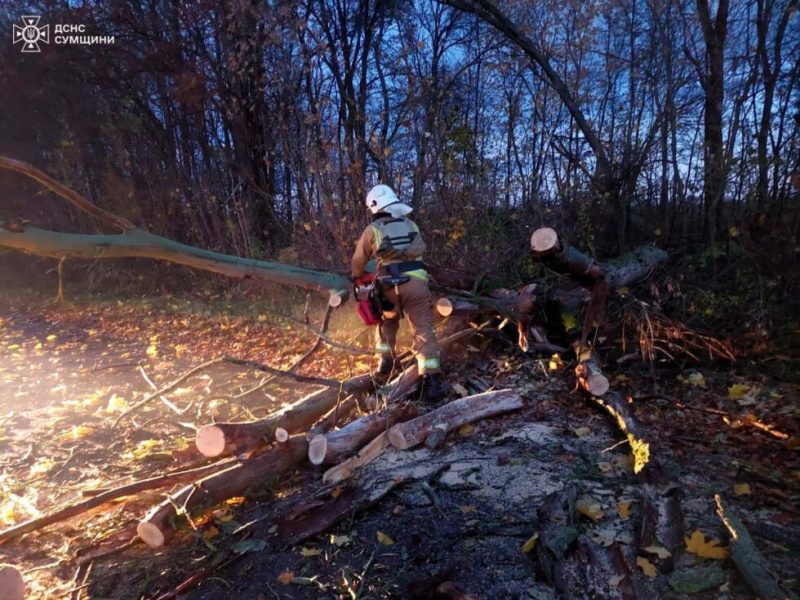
{"x":433,"y":388}
{"x":387,"y":366}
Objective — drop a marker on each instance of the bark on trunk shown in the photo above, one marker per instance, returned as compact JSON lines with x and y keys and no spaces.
{"x":454,"y":415}
{"x":157,"y":526}
{"x":747,"y":558}
{"x":12,"y":586}
{"x":336,"y":446}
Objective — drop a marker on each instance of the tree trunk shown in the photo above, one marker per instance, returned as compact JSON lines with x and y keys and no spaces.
{"x":338,"y":445}
{"x":453,"y":415}
{"x":156,"y":527}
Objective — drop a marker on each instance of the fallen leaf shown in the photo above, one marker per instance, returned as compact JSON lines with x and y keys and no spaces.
{"x":210,"y":533}
{"x":698,"y":545}
{"x":42,"y":466}
{"x":616,"y":580}
{"x":116,"y":404}
{"x":624,"y":509}
{"x":286,"y":577}
{"x":694,"y":379}
{"x":459,"y":389}
{"x":306,"y":551}
{"x":248,"y":546}
{"x":152,"y":350}
{"x":340,"y":540}
{"x":466,"y":429}
{"x":468,"y":509}
{"x":582,"y":432}
{"x":659,"y":551}
{"x":737,"y":390}
{"x":742,"y":489}
{"x":589,"y":507}
{"x":384,"y":539}
{"x":77,"y":432}
{"x":646,"y":566}
{"x":528,"y":546}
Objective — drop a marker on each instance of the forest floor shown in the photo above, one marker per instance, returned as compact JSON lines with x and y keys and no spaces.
{"x":464,"y":512}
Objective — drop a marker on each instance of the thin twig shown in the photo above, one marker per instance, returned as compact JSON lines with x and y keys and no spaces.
{"x":167,"y":403}
{"x":167,"y":388}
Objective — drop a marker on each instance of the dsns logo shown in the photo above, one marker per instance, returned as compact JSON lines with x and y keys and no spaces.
{"x":30,"y":34}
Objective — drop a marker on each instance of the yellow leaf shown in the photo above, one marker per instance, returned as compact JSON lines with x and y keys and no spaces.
{"x":42,"y":466}
{"x":51,"y":337}
{"x":698,"y":545}
{"x":555,"y":362}
{"x":738,"y":390}
{"x":7,"y":516}
{"x":659,"y":551}
{"x":286,"y":577}
{"x":307,"y":226}
{"x":646,"y":566}
{"x":116,"y":404}
{"x":305,"y":551}
{"x":528,"y":546}
{"x":77,"y":432}
{"x":337,"y":491}
{"x":624,"y":510}
{"x":589,"y":507}
{"x":733,"y":232}
{"x":384,"y":539}
{"x":742,"y":489}
{"x":152,"y":350}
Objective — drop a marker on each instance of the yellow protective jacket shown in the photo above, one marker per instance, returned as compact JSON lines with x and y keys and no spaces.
{"x":375,"y":243}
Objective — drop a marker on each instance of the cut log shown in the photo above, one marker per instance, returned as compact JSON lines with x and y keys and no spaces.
{"x":12,"y":586}
{"x":234,"y":438}
{"x":662,"y":521}
{"x":591,"y":378}
{"x":157,"y":526}
{"x":747,"y":557}
{"x":338,"y":445}
{"x":453,"y":415}
{"x":108,"y":495}
{"x":544,"y":239}
{"x":281,"y":435}
{"x":447,"y":306}
{"x":336,"y":416}
{"x":364,"y":456}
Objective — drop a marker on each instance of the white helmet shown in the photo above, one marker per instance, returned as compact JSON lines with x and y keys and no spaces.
{"x":380,"y":197}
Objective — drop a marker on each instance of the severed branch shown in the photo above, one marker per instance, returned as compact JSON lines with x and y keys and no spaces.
{"x":107,"y":495}
{"x":747,"y":558}
{"x":336,"y":446}
{"x":453,"y":415}
{"x":161,"y":397}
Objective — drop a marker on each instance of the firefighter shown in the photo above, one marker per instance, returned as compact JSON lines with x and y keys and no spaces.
{"x":395,"y":242}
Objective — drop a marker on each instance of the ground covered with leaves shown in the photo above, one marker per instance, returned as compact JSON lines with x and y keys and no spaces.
{"x":465,"y":513}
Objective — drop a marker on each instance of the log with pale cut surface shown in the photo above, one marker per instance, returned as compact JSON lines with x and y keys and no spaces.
{"x":156,"y":527}
{"x":453,"y":415}
{"x":337,"y":445}
{"x":233,"y":438}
